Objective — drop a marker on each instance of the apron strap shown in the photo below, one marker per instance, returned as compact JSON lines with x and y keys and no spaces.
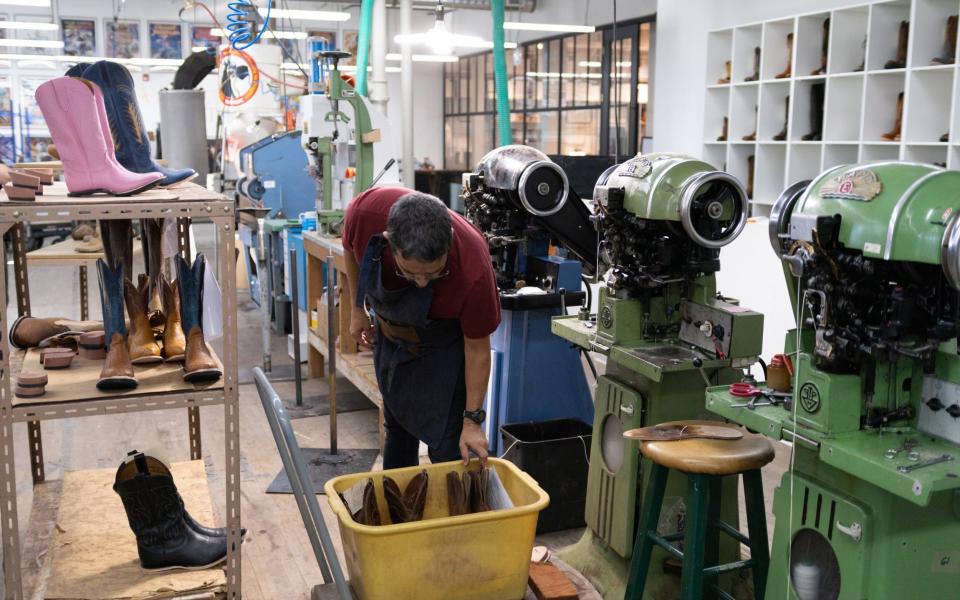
{"x":371,"y":256}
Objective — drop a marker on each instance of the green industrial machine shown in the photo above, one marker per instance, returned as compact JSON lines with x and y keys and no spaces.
{"x":667,"y":335}
{"x":327,"y":148}
{"x":870,"y":507}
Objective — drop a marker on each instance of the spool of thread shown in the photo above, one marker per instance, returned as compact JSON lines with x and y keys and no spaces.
{"x":806,"y":580}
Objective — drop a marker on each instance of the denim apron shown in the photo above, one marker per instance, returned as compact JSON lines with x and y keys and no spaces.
{"x":419,"y":362}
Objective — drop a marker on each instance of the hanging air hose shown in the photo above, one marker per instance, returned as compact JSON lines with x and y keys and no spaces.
{"x":500,"y":74}
{"x":240,"y":27}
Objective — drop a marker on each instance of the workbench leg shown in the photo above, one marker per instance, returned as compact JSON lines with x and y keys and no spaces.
{"x":13,"y":587}
{"x":314,"y":362}
{"x":193,"y":427}
{"x":84,"y":301}
{"x":35,"y":442}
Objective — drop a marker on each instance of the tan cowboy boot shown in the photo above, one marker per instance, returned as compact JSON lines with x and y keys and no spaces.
{"x":894,"y":134}
{"x":174,"y":342}
{"x":141,"y":342}
{"x":117,"y":372}
{"x":789,"y":70}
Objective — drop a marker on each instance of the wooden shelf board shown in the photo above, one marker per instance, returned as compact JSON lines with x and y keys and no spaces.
{"x":357,"y":367}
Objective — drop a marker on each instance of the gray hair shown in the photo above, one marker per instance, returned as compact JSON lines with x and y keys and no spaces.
{"x":419,"y":227}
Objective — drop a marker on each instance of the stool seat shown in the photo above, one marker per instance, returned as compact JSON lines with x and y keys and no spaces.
{"x":710,"y":456}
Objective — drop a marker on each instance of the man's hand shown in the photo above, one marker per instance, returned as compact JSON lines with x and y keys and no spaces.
{"x":473,"y":438}
{"x":360,"y":327}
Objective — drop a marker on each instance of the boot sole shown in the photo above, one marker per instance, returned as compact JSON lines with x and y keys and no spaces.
{"x":190,"y":568}
{"x":142,"y":188}
{"x":181,"y":182}
{"x":177,"y":358}
{"x":117,"y":383}
{"x":147,"y":360}
{"x":203,"y":375}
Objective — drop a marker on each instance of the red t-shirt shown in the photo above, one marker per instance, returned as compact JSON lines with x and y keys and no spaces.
{"x":468,"y":292}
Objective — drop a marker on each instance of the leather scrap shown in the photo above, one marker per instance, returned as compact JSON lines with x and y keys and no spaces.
{"x":669,"y":433}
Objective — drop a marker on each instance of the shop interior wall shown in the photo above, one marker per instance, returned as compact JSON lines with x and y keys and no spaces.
{"x":750,"y":272}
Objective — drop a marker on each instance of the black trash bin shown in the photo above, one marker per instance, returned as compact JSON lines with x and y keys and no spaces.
{"x":557,"y":454}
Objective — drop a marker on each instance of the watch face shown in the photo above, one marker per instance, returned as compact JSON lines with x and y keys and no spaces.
{"x":477,"y":416}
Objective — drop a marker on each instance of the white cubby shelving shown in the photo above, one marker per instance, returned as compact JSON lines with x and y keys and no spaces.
{"x":860,"y":93}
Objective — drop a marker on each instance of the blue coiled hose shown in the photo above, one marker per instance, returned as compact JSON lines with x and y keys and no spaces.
{"x":239,"y":26}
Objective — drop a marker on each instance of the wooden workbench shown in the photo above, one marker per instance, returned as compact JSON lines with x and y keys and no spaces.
{"x":354,"y":365}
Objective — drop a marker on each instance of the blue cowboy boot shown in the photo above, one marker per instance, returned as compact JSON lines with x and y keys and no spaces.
{"x":199,"y":365}
{"x":77,"y":70}
{"x":126,"y":122}
{"x":117,"y":372}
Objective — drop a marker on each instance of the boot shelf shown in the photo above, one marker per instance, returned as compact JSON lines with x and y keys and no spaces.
{"x":860,"y":103}
{"x":56,"y":193}
{"x":91,"y":537}
{"x":78,"y":384}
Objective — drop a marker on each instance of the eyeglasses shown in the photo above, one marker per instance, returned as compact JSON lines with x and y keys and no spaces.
{"x":443,"y":272}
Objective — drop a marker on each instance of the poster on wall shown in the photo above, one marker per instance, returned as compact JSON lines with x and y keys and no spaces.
{"x":31,"y":115}
{"x":350,"y":43}
{"x":39,"y":148}
{"x":166,"y":40}
{"x":79,"y":37}
{"x":202,"y":38}
{"x":34,"y":35}
{"x":123,"y":39}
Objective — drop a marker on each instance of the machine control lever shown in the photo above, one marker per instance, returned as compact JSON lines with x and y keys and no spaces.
{"x":698,"y":364}
{"x":927,"y":463}
{"x":854,"y":531}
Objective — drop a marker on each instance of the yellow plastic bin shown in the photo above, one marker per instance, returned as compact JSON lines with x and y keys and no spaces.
{"x":482,"y":556}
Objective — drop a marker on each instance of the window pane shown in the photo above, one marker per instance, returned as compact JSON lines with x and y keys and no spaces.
{"x":619,"y":127}
{"x":516,"y":128}
{"x":581,"y":132}
{"x":543,"y":131}
{"x":464,"y":86}
{"x":481,"y":137}
{"x":515,"y":69}
{"x":594,"y":57}
{"x":479,"y":83}
{"x":455,"y":143}
{"x":643,"y":80}
{"x":447,"y":89}
{"x":621,"y":67}
{"x":491,"y":102}
{"x":568,"y":71}
{"x":532,"y":77}
{"x":552,"y":82}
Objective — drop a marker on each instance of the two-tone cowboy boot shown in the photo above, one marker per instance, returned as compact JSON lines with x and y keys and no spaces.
{"x":117,"y":371}
{"x":141,"y":342}
{"x":199,"y":365}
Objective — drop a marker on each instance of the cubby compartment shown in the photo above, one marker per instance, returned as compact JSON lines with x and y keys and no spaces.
{"x":773,"y":117}
{"x":848,"y":39}
{"x":743,"y":112}
{"x":737,"y":163}
{"x":930,"y":155}
{"x":839,"y":154}
{"x":804,"y":162}
{"x":809,"y":44}
{"x":881,"y":106}
{"x":768,"y":177}
{"x":745,"y":42}
{"x":716,"y":155}
{"x":884,"y":38}
{"x":843,"y":109}
{"x":777,"y":50}
{"x":929,"y":105}
{"x":953,"y":157}
{"x":716,"y":108}
{"x":806,"y":106}
{"x":928,"y":46}
{"x":879,"y":152}
{"x":719,"y":52}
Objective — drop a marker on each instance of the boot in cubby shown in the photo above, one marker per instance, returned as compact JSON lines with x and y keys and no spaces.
{"x":816,"y":112}
{"x":863,"y":61}
{"x":786,"y":121}
{"x":726,"y":79}
{"x":902,"y":39}
{"x":756,"y":66}
{"x":894,"y":134}
{"x":723,"y":132}
{"x":786,"y":72}
{"x":824,"y":47}
{"x":949,"y":43}
{"x":750,"y":160}
{"x":751,"y":137}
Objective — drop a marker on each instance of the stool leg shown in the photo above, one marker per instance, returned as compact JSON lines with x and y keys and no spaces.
{"x":711,"y":551}
{"x":757,"y":527}
{"x":649,"y":516}
{"x":694,"y":539}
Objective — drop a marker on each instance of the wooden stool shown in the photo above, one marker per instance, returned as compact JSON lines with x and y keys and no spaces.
{"x":705,"y":462}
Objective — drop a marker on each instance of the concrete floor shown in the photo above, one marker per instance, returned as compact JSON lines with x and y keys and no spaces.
{"x":277,"y":560}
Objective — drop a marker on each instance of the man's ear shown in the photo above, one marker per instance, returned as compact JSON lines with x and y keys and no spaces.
{"x":386,"y":236}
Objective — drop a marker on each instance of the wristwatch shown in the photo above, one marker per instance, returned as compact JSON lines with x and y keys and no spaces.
{"x":477,"y":416}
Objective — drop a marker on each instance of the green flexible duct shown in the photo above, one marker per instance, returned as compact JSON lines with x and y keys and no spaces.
{"x":500,"y":74}
{"x":363,"y":45}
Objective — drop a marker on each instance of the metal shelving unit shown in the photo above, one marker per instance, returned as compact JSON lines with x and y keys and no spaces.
{"x":183,"y":203}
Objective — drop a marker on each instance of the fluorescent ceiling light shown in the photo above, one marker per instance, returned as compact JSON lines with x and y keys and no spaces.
{"x":36,"y":64}
{"x":199,"y":48}
{"x":281,"y":35}
{"x":28,"y":25}
{"x":306,"y":15}
{"x":558,"y":27}
{"x":31,"y":43}
{"x":455,"y":41}
{"x":441,"y":58}
{"x":43,"y":3}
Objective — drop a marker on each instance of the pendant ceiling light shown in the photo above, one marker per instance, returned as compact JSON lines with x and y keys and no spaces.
{"x":439,"y":39}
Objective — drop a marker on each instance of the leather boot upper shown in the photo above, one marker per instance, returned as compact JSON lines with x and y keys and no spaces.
{"x":140,"y":341}
{"x":174,"y":342}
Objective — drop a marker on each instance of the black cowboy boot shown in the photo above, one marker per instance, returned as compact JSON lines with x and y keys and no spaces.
{"x":817,"y":91}
{"x":117,"y":238}
{"x":199,"y":364}
{"x":117,"y":372}
{"x":151,"y":231}
{"x":824,"y":48}
{"x":756,"y":66}
{"x":156,"y":515}
{"x":903,"y":37}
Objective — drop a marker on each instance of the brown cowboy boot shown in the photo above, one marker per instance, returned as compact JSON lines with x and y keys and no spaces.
{"x":117,"y":371}
{"x":894,"y":134}
{"x":786,"y":122}
{"x":723,"y":132}
{"x":756,"y":66}
{"x":199,"y":364}
{"x":752,"y":137}
{"x":786,"y":72}
{"x":141,"y":342}
{"x":726,"y":79}
{"x":174,"y":342}
{"x":824,"y":48}
{"x":30,"y":332}
{"x":949,"y":43}
{"x":457,"y":501}
{"x":902,"y":39}
{"x":408,"y":506}
{"x":750,"y":160}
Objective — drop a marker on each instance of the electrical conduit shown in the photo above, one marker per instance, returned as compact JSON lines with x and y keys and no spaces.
{"x":363,"y":45}
{"x":500,"y":74}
